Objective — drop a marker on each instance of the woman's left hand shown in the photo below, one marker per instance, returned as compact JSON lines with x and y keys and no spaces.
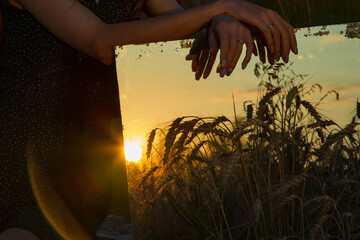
{"x":200,"y":57}
{"x":227,"y":34}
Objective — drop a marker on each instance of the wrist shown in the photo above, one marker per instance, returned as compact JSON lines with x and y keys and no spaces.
{"x":225,"y":8}
{"x":221,"y":7}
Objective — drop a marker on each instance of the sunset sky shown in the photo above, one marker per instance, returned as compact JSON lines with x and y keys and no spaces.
{"x":157,"y":85}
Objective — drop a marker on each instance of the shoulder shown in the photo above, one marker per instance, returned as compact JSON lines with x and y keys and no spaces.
{"x":12,"y":3}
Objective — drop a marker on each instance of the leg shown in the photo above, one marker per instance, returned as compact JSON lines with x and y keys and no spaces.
{"x":17,"y":233}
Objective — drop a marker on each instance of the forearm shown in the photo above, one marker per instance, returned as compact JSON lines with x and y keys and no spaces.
{"x":80,"y":28}
{"x":161,"y":28}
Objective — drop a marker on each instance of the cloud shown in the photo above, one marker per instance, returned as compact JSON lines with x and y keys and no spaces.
{"x":332,"y":39}
{"x":239,"y":94}
{"x":310,"y":56}
{"x":347,"y":92}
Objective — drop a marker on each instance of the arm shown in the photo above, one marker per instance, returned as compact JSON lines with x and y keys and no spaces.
{"x":79,"y":27}
{"x":162,"y":7}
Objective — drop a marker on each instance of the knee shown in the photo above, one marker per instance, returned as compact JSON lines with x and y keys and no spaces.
{"x":17,"y":233}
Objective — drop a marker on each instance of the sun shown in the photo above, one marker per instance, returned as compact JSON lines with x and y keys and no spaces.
{"x":133,"y":151}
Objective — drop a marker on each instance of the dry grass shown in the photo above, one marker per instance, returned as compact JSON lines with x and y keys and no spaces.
{"x":283,"y":171}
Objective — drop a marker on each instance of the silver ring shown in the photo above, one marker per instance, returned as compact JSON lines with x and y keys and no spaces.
{"x":271,"y":25}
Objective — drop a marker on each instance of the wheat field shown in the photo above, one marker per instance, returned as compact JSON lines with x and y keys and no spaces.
{"x":281,"y":171}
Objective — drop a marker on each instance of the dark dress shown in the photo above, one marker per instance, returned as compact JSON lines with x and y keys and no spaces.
{"x":55,"y":111}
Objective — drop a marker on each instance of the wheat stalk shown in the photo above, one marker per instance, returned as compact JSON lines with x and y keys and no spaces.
{"x":290,"y":96}
{"x":311,"y":110}
{"x":293,"y":182}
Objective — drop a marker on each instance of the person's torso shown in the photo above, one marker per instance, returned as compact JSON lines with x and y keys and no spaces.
{"x":31,"y":51}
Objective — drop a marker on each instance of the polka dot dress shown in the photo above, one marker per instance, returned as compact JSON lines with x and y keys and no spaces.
{"x":51,"y":100}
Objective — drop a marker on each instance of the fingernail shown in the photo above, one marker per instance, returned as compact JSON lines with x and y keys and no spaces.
{"x":223,"y":72}
{"x":272,"y":50}
{"x":218,"y":68}
{"x":296,"y":50}
{"x":278,"y":57}
{"x":228,"y":72}
{"x":286,"y":59}
{"x":244,"y":65}
{"x":223,"y":63}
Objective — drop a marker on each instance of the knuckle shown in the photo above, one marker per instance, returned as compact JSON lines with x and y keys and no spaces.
{"x":247,"y":34}
{"x":263,"y":15}
{"x":267,"y":31}
{"x":240,"y":28}
{"x":270,"y":12}
{"x":233,"y":24}
{"x":276,"y":32}
{"x":285,"y":34}
{"x":290,"y":28}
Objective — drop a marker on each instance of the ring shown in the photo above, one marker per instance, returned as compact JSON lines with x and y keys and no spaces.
{"x":271,"y":25}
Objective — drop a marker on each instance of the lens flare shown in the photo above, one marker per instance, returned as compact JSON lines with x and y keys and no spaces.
{"x":51,"y":204}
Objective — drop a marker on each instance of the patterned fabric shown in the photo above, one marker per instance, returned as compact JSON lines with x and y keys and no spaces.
{"x":55,"y":107}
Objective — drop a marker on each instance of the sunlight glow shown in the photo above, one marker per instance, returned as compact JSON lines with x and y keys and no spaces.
{"x":133,"y":151}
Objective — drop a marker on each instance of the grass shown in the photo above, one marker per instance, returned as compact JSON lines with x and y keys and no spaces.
{"x":281,"y":171}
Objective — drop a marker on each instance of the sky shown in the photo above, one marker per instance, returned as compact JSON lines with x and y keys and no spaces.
{"x":157,"y":85}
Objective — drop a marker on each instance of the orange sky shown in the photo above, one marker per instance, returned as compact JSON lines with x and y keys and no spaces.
{"x":157,"y":85}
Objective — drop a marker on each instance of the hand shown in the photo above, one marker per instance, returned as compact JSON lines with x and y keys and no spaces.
{"x":276,"y":33}
{"x":229,"y":35}
{"x":225,"y":33}
{"x":261,"y":47}
{"x":200,"y":57}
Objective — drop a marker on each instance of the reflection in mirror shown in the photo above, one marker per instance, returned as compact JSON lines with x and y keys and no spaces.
{"x":157,"y":84}
{"x":255,"y":140}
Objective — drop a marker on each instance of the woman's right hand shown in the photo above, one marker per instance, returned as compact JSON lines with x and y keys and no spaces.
{"x":229,"y":35}
{"x":279,"y":36}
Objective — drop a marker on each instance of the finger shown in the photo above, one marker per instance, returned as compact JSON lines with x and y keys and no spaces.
{"x":190,"y":57}
{"x":212,"y":43}
{"x":267,"y":33}
{"x":285,"y":44}
{"x":224,"y":39}
{"x":293,"y":42}
{"x":249,"y":49}
{"x":277,"y":40}
{"x":195,"y":62}
{"x":242,"y":33}
{"x":270,"y":56}
{"x":291,"y":35}
{"x":238,"y":51}
{"x":285,"y":40}
{"x":209,"y":65}
{"x":235,"y":45}
{"x":261,"y":49}
{"x":202,"y":62}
